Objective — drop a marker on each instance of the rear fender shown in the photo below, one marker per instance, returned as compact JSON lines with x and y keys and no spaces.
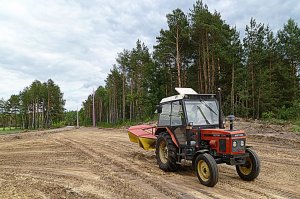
{"x":166,"y":129}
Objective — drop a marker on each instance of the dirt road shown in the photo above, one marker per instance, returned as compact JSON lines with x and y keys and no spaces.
{"x":102,"y":163}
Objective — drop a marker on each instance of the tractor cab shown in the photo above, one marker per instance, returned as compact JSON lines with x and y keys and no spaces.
{"x":185,"y":114}
{"x":189,"y":109}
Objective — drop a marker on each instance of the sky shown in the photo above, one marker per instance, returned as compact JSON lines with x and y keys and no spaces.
{"x":75,"y":42}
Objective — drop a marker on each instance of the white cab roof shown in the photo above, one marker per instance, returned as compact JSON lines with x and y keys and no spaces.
{"x":182,"y":92}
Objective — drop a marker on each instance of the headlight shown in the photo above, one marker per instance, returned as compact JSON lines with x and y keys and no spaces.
{"x":234,"y":143}
{"x":242,"y":143}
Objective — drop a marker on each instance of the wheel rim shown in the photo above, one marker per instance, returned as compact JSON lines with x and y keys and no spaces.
{"x":247,"y":168}
{"x":203,"y":170}
{"x":163,"y":152}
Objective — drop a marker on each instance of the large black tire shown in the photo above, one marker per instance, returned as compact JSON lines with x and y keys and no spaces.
{"x":250,"y":170}
{"x":206,"y":169}
{"x":166,"y":152}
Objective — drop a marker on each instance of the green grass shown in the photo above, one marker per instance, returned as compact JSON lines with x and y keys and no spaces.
{"x":126,"y":123}
{"x":296,"y":125}
{"x":275,"y":121}
{"x":18,"y":130}
{"x":296,"y":128}
{"x":117,"y":125}
{"x":10,"y":130}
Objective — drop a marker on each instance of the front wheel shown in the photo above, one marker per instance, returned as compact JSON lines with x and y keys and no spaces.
{"x":250,"y":170}
{"x":206,"y":169}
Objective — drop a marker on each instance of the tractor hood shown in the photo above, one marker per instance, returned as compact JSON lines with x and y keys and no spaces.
{"x":222,"y":133}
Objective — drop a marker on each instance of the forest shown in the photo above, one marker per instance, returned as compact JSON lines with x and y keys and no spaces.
{"x":40,"y":105}
{"x":258,"y":74}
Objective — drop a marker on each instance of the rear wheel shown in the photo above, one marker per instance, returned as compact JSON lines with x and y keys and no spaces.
{"x":206,"y":169}
{"x":166,"y":153}
{"x":250,"y":170}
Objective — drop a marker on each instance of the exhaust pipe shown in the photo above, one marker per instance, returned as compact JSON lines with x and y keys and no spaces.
{"x":221,"y":126}
{"x":231,"y":119}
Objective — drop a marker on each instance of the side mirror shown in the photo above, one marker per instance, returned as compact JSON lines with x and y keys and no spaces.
{"x":158,"y":108}
{"x":189,"y":125}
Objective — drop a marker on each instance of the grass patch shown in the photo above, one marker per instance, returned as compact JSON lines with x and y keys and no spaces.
{"x":10,"y":130}
{"x":118,"y":124}
{"x":275,"y":121}
{"x":126,"y":123}
{"x":296,"y":126}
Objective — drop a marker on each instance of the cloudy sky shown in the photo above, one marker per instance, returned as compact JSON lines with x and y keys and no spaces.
{"x":75,"y":42}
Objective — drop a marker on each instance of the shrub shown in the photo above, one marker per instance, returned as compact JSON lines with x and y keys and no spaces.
{"x":290,"y":113}
{"x":58,"y":124}
{"x":268,"y":115}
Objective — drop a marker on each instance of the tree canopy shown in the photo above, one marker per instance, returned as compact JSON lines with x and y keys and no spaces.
{"x":258,"y":74}
{"x":40,"y":105}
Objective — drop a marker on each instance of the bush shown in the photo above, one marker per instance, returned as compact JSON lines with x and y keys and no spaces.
{"x":285,"y":115}
{"x":268,"y":115}
{"x":290,"y":113}
{"x":58,"y":124}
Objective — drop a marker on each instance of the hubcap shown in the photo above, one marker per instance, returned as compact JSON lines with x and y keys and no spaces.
{"x":246,"y":168}
{"x":163,"y":152}
{"x":203,"y":170}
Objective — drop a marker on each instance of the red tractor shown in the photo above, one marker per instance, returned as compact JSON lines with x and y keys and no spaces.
{"x":190,"y":127}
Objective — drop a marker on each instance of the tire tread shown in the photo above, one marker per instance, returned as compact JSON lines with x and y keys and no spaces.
{"x":212,"y":166}
{"x":255,"y":171}
{"x":171,"y":165}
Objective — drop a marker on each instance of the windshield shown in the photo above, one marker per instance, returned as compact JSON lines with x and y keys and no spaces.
{"x":202,"y":112}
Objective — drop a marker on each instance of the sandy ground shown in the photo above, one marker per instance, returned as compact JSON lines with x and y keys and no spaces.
{"x":102,"y":163}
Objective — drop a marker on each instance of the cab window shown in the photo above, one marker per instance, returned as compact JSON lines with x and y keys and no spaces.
{"x":176,"y":114}
{"x":171,"y":114}
{"x":164,"y":117}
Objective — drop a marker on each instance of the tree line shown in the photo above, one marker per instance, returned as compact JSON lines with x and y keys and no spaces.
{"x":40,"y":105}
{"x":258,"y":74}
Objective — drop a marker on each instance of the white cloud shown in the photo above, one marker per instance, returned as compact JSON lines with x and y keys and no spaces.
{"x":12,"y":82}
{"x":75,"y":42}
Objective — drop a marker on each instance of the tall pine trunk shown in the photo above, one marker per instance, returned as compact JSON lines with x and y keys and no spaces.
{"x":204,"y":65}
{"x":232,"y":90}
{"x":131,"y":100}
{"x":212,"y":73}
{"x":123,"y":96}
{"x":200,"y":83}
{"x":100,"y":110}
{"x":33,"y":116}
{"x":178,"y":58}
{"x":208,"y":63}
{"x":253,"y":90}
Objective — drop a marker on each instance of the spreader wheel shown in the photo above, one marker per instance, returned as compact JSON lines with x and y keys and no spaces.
{"x":166,"y":153}
{"x":250,"y":170}
{"x":207,"y":170}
